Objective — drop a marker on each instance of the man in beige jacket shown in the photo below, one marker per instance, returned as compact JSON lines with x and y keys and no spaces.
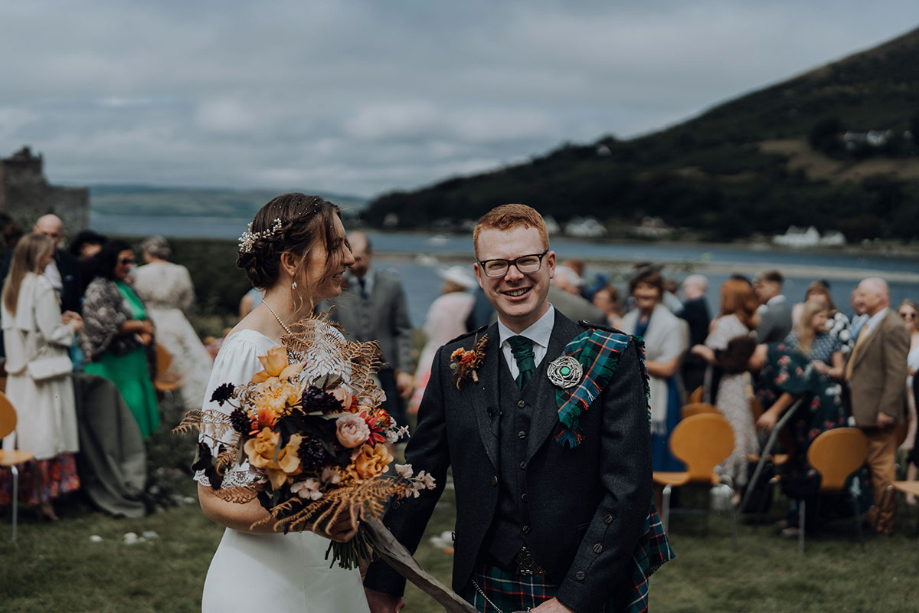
{"x":875,"y":372}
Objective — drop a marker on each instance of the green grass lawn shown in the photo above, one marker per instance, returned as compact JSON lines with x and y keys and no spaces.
{"x":55,"y":567}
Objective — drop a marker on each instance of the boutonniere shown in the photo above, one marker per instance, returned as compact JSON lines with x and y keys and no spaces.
{"x":463,"y":363}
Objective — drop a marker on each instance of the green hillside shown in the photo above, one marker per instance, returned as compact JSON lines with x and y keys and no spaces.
{"x":200,"y":202}
{"x":758,"y":163}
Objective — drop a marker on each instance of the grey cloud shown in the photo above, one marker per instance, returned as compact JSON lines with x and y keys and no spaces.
{"x":365,"y":96}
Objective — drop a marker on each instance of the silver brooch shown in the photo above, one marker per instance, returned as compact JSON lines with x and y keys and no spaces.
{"x":565,"y":372}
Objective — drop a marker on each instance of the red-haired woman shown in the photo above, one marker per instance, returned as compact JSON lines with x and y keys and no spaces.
{"x":737,"y":317}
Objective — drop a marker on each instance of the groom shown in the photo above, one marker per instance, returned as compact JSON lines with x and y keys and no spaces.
{"x":551,"y":456}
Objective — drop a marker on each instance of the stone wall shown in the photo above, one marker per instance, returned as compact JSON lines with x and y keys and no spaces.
{"x":25,"y":194}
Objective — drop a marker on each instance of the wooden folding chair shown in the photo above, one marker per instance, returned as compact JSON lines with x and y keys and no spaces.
{"x":702,"y":442}
{"x":166,"y":381}
{"x":698,"y":408}
{"x":11,"y":459}
{"x":835,"y":454}
{"x":696,"y":395}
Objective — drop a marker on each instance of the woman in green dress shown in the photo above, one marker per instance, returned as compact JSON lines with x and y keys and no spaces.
{"x":117,"y":335}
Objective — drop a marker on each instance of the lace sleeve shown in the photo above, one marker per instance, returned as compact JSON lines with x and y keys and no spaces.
{"x":236,"y":363}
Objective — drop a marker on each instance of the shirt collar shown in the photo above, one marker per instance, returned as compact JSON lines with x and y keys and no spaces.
{"x":539,"y":332}
{"x":875,"y":319}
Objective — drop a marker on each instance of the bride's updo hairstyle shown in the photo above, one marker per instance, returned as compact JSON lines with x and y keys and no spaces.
{"x":290,"y":223}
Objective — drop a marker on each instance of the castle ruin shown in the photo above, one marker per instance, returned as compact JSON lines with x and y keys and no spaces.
{"x":26,"y":195}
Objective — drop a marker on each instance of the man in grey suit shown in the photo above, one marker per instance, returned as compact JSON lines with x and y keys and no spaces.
{"x":372,"y":308}
{"x":775,"y":312}
{"x":565,"y":295}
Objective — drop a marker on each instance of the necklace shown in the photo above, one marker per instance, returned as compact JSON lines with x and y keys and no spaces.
{"x":283,"y":325}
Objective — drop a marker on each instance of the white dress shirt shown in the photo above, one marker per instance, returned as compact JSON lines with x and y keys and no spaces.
{"x":539,"y":333}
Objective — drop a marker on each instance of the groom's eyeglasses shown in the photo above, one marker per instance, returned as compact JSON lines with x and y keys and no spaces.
{"x":526,"y":264}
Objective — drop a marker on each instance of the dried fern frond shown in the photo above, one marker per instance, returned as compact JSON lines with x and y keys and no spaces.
{"x":190,"y":422}
{"x":237,"y":495}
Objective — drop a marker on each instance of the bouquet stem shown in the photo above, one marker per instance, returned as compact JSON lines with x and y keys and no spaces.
{"x":398,"y":557}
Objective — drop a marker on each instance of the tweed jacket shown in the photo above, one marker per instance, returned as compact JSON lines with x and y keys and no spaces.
{"x":588,"y":505}
{"x":381,"y":317}
{"x":879,"y":371}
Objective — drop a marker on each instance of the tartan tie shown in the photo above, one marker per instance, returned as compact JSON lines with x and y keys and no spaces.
{"x":522,"y":348}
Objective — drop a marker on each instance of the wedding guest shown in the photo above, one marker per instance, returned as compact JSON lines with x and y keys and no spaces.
{"x":909,"y":313}
{"x":565,"y":295}
{"x":875,"y":372}
{"x":166,"y":288}
{"x":117,"y":338}
{"x":737,"y":317}
{"x":782,"y":378}
{"x":34,"y":331}
{"x":666,"y":340}
{"x":774,"y":312}
{"x":11,"y":235}
{"x":445,"y":321}
{"x":837,"y":324}
{"x":249,"y":301}
{"x":812,"y":340}
{"x":607,"y":300}
{"x":697,"y":315}
{"x":372,"y":308}
{"x":84,"y":246}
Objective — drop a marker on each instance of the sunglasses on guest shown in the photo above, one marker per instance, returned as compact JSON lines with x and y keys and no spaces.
{"x":908,"y":315}
{"x":125,"y":261}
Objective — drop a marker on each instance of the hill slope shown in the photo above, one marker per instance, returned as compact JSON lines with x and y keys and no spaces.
{"x":744,"y":166}
{"x":182,"y":201}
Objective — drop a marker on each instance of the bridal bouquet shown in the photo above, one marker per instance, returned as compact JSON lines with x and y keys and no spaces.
{"x":310,"y":428}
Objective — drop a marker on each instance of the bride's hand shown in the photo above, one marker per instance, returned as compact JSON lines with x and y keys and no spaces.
{"x":342,"y":530}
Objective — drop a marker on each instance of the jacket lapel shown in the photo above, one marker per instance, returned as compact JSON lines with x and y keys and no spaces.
{"x":485,"y":396}
{"x":863,"y":350}
{"x":545,"y":417}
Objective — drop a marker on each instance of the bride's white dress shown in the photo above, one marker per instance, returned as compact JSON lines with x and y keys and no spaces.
{"x":274,"y":573}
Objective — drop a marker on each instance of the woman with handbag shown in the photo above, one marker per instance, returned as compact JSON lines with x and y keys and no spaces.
{"x":118,"y":336}
{"x":36,"y":338}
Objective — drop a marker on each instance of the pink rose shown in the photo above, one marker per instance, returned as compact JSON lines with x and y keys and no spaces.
{"x":352,"y":430}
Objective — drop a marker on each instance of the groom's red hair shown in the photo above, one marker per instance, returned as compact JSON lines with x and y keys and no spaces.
{"x":509,"y":216}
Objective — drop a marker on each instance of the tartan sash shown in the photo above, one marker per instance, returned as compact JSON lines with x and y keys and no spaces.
{"x":598,"y":352}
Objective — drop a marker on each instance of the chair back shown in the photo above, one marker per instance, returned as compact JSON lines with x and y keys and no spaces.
{"x":698,"y":408}
{"x":702,"y":441}
{"x":7,"y":416}
{"x":696,"y":395}
{"x":836,"y":454}
{"x":163,"y":359}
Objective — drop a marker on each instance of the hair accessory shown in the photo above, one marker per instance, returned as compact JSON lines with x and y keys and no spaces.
{"x":248,"y":238}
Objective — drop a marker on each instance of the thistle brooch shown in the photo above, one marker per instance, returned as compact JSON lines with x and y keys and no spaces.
{"x":565,"y":372}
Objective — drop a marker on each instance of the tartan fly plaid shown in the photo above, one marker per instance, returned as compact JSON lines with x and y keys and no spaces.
{"x":598,"y":352}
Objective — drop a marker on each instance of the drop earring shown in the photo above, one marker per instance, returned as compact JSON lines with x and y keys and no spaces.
{"x":293,"y":285}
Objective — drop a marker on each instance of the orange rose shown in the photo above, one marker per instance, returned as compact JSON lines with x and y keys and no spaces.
{"x":370,"y":462}
{"x":276,"y":366}
{"x":263,"y":453}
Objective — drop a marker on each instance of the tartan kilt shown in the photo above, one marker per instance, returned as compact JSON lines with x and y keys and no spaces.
{"x":510,"y":592}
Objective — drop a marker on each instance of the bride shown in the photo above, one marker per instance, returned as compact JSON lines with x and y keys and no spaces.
{"x":295,"y":252}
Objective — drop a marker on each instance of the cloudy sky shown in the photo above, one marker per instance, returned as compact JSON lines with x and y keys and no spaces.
{"x":364,"y":96}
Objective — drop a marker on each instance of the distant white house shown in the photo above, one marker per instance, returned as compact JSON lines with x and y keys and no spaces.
{"x":585,"y":227}
{"x":800,"y":238}
{"x":552,"y":226}
{"x":653,"y":227}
